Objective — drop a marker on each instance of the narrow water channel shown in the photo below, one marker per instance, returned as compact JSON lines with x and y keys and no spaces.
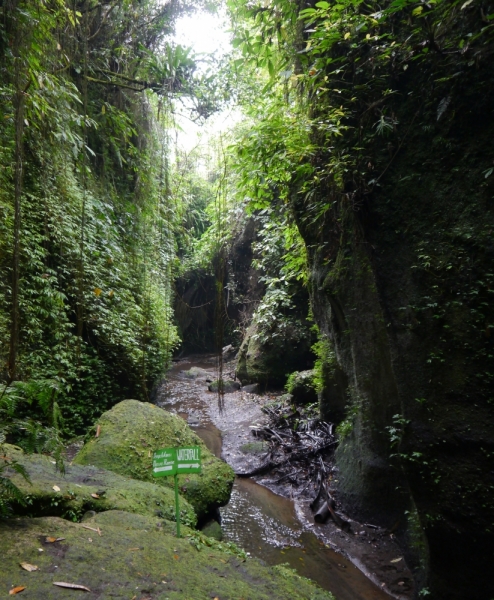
{"x":262,"y":523}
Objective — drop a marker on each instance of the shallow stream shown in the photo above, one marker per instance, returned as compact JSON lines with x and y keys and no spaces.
{"x":259,"y":521}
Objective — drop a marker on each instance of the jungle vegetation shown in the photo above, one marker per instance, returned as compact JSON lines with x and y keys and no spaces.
{"x":100,"y":214}
{"x":93,"y":208}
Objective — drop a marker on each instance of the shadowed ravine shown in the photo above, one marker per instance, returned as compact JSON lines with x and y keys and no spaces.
{"x":261,"y":522}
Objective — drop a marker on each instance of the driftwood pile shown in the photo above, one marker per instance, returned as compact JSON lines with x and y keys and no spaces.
{"x":299,"y":451}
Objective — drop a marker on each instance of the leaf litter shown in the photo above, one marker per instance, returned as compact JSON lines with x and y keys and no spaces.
{"x":72,"y":586}
{"x":17,"y":590}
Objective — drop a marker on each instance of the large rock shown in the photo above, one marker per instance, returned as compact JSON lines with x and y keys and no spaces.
{"x":84,"y":488}
{"x":136,"y":557}
{"x":228,"y":386}
{"x":132,"y":430}
{"x":270,"y":362}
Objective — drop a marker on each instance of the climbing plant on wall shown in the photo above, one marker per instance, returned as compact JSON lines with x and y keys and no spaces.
{"x":89,"y":227}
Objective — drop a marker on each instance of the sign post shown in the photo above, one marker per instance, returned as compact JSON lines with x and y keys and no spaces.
{"x":177,"y":506}
{"x":173,"y":461}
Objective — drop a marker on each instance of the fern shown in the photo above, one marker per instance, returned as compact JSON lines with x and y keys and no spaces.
{"x":9,"y":492}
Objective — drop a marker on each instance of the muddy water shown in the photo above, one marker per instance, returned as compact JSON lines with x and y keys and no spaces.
{"x":261,"y":522}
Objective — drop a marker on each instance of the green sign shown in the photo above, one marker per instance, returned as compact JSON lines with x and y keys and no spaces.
{"x":189,"y":460}
{"x":165,"y":462}
{"x":172,"y":461}
{"x":169,"y":461}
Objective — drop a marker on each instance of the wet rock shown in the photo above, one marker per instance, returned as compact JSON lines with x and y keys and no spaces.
{"x":194,"y":373}
{"x":132,"y":430}
{"x":229,"y":386}
{"x":270,"y":363}
{"x":286,"y":398}
{"x":252,"y":388}
{"x":228,"y":352}
{"x":130,"y":558}
{"x":80,"y":492}
{"x":193,"y":420}
{"x":254,"y":448}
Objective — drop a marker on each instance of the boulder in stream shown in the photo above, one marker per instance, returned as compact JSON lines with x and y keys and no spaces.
{"x":136,"y":557}
{"x":195,"y":373}
{"x":129,"y":434}
{"x":270,"y":361}
{"x":228,"y":386}
{"x":251,"y":388}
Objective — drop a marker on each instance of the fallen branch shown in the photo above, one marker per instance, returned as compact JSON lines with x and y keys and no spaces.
{"x":98,"y":530}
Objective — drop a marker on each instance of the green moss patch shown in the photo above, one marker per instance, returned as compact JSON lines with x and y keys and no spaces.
{"x":84,"y":488}
{"x":132,"y":430}
{"x":136,"y":557}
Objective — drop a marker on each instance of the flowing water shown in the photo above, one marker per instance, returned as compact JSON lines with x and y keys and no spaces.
{"x":262,"y":523}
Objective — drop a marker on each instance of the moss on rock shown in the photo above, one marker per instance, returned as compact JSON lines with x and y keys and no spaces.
{"x":132,"y":430}
{"x":301,"y":385}
{"x":228,"y":386}
{"x":137,"y":557}
{"x":85,"y":488}
{"x":270,"y":361}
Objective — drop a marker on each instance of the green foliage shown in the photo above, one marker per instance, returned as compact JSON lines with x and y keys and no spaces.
{"x":344,"y":428}
{"x":9,"y":492}
{"x":30,"y":417}
{"x":281,"y":262}
{"x":325,"y":360}
{"x":99,"y":226}
{"x":333,"y":70}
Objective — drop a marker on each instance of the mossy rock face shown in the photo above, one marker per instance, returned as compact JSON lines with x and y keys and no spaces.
{"x":129,"y":434}
{"x":136,"y":557}
{"x":84,"y":488}
{"x":405,"y":296}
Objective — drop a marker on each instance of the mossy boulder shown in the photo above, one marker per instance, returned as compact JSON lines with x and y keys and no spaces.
{"x":195,"y":373}
{"x":136,"y":557}
{"x":85,"y":488}
{"x":227,"y":386}
{"x":269,"y":360}
{"x":132,"y":430}
{"x":301,"y":385}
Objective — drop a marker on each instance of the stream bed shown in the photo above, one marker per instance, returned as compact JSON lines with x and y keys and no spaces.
{"x":266,"y":525}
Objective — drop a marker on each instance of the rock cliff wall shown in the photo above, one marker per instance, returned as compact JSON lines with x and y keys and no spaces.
{"x":402,"y":283}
